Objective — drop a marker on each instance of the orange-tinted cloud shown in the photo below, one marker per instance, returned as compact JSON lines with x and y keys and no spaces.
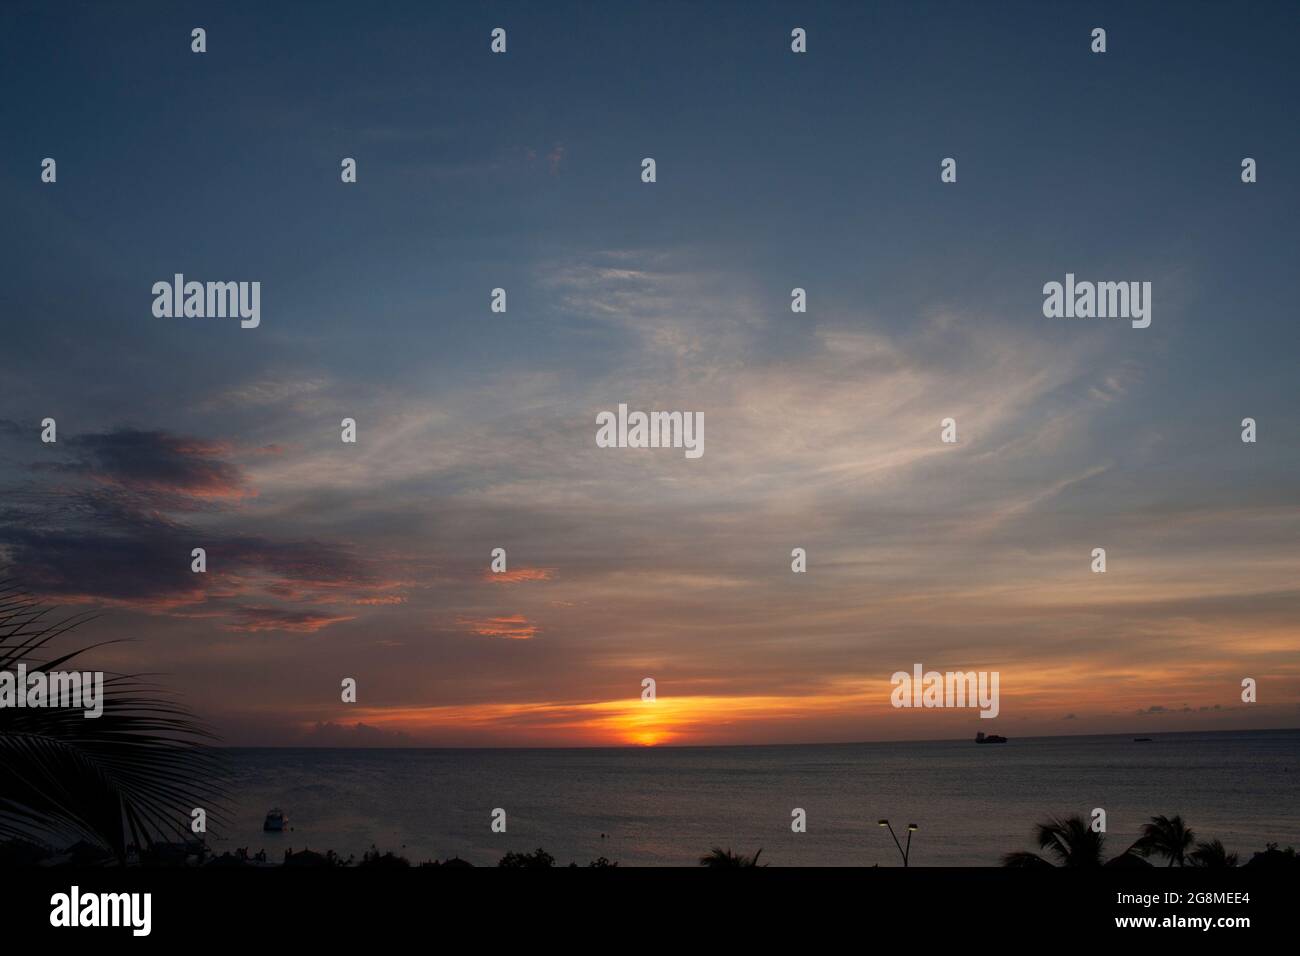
{"x":519,"y":574}
{"x":158,"y":463}
{"x":515,"y":627}
{"x":252,"y":619}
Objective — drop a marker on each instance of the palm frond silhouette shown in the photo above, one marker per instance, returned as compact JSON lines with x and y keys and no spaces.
{"x":1211,"y":855}
{"x":1071,"y":841}
{"x":718,"y":858}
{"x":1167,"y":836}
{"x":133,"y":775}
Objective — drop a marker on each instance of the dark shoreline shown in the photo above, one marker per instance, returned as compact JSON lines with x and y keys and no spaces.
{"x":22,"y":855}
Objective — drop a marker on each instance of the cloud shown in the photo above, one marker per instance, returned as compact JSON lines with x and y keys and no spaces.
{"x":270,"y":391}
{"x":94,"y":545}
{"x":120,"y":525}
{"x":516,"y":575}
{"x":679,"y":314}
{"x":652,"y":564}
{"x":514,"y":627}
{"x":156,"y":462}
{"x":253,"y":619}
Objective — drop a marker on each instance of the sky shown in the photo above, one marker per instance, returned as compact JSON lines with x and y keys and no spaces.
{"x":476,"y":430}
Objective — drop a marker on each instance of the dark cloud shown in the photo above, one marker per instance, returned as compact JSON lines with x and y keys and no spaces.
{"x":154,"y":462}
{"x":91,"y":546}
{"x":115,"y":531}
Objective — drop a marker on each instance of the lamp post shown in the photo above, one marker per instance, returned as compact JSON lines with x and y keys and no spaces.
{"x":902,"y":851}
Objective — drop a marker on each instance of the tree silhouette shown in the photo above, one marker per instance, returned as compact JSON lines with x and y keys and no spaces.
{"x":133,"y":775}
{"x":718,"y":858}
{"x":537,"y":860}
{"x":1071,"y":841}
{"x":1212,"y":856}
{"x":1167,"y":836}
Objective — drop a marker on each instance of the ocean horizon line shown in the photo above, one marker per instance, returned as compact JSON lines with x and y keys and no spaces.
{"x":1152,"y":734}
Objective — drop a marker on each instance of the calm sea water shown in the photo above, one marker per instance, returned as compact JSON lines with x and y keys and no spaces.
{"x":667,"y":806}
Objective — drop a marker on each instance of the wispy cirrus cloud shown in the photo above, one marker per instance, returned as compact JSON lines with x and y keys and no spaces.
{"x":645,"y":564}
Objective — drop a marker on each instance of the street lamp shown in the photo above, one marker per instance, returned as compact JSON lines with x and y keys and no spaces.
{"x":902,"y":851}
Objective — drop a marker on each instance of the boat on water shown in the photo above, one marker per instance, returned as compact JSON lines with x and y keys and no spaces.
{"x":1141,"y":740}
{"x":275,"y":821}
{"x":982,"y":738}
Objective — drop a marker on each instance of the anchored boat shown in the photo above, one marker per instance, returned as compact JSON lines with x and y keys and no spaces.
{"x":275,"y":821}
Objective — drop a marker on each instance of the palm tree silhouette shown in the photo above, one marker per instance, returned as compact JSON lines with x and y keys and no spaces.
{"x":719,"y":858}
{"x":1070,"y":840}
{"x":133,"y":775}
{"x":1167,"y":836}
{"x":1211,"y":855}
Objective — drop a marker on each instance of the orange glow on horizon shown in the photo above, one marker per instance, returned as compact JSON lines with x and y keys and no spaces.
{"x":627,"y":722}
{"x":847,"y":710}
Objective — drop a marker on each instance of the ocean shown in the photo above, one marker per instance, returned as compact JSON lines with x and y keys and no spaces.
{"x":667,"y":806}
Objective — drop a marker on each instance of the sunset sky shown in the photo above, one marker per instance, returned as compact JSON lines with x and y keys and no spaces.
{"x":477,"y":430}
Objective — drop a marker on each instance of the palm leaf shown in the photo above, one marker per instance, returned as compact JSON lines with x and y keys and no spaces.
{"x":1071,"y":840}
{"x":130,"y":776}
{"x":1167,"y":836}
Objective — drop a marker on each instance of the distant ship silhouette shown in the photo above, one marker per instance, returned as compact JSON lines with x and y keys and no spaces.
{"x":980,"y":738}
